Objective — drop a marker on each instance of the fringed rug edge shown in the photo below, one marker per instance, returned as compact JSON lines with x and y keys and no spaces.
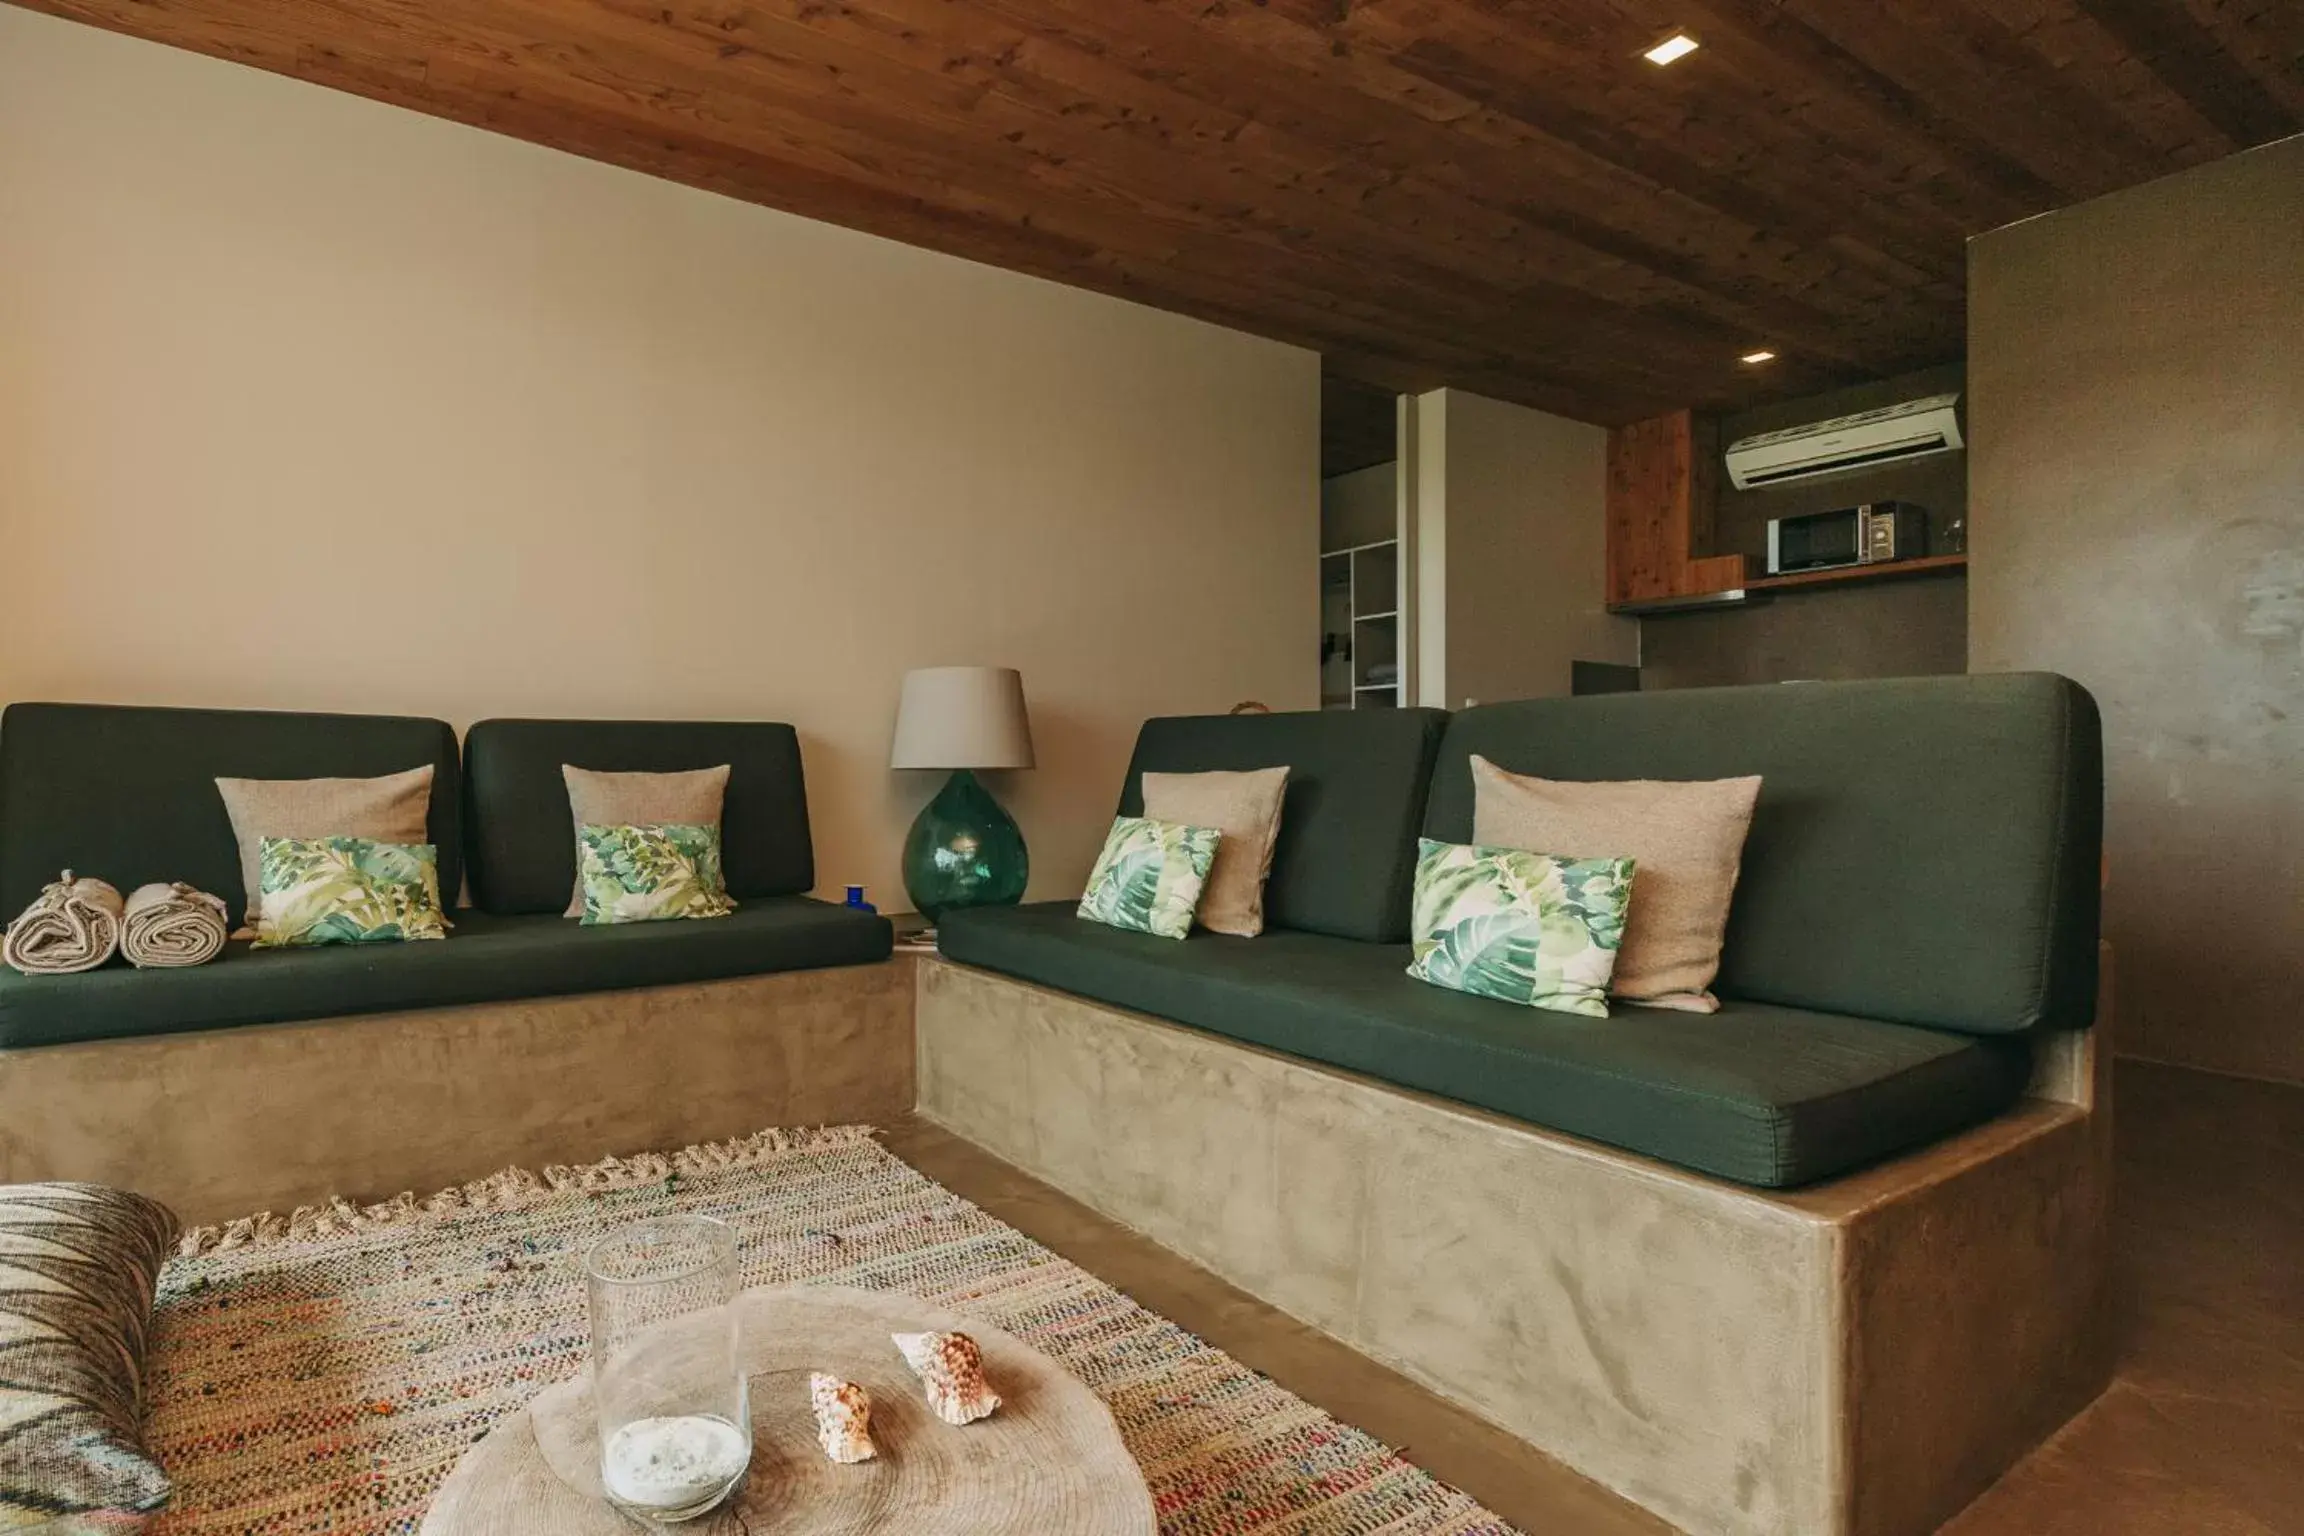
{"x":511,"y":1188}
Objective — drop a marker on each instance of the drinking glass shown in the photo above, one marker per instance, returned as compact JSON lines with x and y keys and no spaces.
{"x":667,"y":1366}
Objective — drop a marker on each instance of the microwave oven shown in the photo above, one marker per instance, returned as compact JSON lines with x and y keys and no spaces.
{"x":1865,"y":535}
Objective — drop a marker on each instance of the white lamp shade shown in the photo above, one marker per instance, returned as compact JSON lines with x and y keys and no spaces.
{"x":962,"y":717}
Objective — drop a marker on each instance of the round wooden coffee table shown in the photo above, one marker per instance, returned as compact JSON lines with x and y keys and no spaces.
{"x":1050,"y":1460}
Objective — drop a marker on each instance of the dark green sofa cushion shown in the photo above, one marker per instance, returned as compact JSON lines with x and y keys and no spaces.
{"x":1356,"y":783}
{"x":129,"y":794}
{"x":1925,"y":849}
{"x":1760,"y":1094}
{"x":486,"y":960}
{"x":524,"y":839}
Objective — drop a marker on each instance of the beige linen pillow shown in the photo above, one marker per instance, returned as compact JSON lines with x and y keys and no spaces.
{"x":1686,"y":843}
{"x":688,"y":799}
{"x":391,"y":809}
{"x":1245,"y":807}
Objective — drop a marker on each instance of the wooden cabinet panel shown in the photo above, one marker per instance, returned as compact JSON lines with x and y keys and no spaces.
{"x":1646,"y":465}
{"x":1662,"y":479}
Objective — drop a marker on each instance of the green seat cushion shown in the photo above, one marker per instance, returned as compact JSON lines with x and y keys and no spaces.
{"x":1346,"y":853}
{"x":1925,"y":850}
{"x":524,"y":836}
{"x":1758,"y":1093}
{"x":129,"y":794}
{"x":486,"y":959}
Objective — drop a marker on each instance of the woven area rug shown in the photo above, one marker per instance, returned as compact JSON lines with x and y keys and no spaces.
{"x":325,"y":1372}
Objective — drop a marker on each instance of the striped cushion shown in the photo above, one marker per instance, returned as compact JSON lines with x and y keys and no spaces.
{"x":77,"y":1266}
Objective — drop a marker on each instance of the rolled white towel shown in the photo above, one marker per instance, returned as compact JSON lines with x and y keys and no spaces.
{"x":171,"y":925}
{"x":74,"y":926}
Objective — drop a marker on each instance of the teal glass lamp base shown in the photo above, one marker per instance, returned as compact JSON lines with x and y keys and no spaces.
{"x":964,"y":851}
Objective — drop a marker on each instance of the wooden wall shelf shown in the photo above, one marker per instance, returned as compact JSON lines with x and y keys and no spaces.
{"x":1926,"y":565}
{"x":1761,"y":588}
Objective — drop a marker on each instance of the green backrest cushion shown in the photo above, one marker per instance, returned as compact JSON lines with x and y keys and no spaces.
{"x":523,"y":852}
{"x":129,"y":794}
{"x":1925,"y":850}
{"x":1346,"y":855}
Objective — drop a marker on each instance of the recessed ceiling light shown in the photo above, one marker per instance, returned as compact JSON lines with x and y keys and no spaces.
{"x":1678,"y":46}
{"x":1761,"y":356}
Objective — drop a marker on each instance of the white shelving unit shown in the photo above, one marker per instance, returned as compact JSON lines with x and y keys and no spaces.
{"x":1360,"y":626}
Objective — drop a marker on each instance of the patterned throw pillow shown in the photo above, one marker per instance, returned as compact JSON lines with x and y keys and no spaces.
{"x":692,"y":798}
{"x":1149,"y":876}
{"x":1687,"y":838}
{"x":391,"y":809}
{"x":650,"y":874}
{"x":80,"y":1262}
{"x":1523,"y":927}
{"x":348,"y":890}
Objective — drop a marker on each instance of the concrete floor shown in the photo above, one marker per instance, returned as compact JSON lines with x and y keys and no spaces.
{"x":2202,"y":1434}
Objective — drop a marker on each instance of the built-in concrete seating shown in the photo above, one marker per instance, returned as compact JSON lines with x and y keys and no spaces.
{"x":129,"y":795}
{"x":1757,"y":1092}
{"x":1918,"y":895}
{"x":1556,"y":1220}
{"x":272,"y":1076}
{"x":487,"y":959}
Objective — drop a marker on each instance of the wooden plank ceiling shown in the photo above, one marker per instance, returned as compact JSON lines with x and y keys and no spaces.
{"x":1497,"y":194}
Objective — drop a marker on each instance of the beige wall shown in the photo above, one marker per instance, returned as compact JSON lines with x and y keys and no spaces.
{"x":311,"y":403}
{"x":2137,"y":489}
{"x":1510,"y":551}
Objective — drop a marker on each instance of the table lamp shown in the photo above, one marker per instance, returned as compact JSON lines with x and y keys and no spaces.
{"x":963,"y":850}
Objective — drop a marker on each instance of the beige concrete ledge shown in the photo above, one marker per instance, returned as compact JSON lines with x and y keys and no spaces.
{"x":221,"y":1123}
{"x":1858,"y":1359}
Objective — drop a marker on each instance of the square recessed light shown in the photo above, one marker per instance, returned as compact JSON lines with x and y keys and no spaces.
{"x":1761,"y":356}
{"x":1674,"y":48}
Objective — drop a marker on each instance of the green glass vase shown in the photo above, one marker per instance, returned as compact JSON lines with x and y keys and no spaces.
{"x":964,"y":851}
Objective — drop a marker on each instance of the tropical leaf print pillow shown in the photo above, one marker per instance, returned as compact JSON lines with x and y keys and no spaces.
{"x":1522,"y":927}
{"x":651,"y":874}
{"x":347,"y":890}
{"x":1148,"y":877}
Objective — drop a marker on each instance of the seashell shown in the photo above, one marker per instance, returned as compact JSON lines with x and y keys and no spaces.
{"x":953,"y":1368}
{"x":843,"y":1418}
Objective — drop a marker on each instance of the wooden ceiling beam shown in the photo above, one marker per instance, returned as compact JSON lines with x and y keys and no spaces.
{"x":1738,"y":259}
{"x":1850,"y":283}
{"x":1810,"y":77}
{"x":1927,"y":255}
{"x":2264,"y":37}
{"x":1544,"y":140}
{"x":1977,"y":72}
{"x":1604,"y":318}
{"x":1702,"y":135}
{"x":1514,"y":284}
{"x":2190,"y":61}
{"x":1494,"y":194}
{"x":2085,"y":58}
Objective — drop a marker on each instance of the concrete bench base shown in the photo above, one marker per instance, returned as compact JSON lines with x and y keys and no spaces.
{"x":1861,"y":1358}
{"x":222,"y":1123}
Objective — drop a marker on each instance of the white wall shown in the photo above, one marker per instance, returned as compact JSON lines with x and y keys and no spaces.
{"x":1511,"y":552}
{"x":311,"y":403}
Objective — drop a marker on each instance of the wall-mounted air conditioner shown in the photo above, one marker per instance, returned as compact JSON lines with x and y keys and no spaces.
{"x":1913,"y":430}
